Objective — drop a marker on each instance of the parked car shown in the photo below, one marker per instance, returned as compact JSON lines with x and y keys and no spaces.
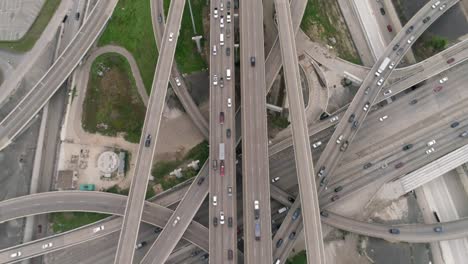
{"x":178,"y":83}
{"x":413,"y":102}
{"x":338,"y":189}
{"x":387,"y":93}
{"x":383,"y":118}
{"x":366,"y":106}
{"x":275,"y":179}
{"x":344,"y":146}
{"x":324,"y":213}
{"x":443,"y":79}
{"x":429,"y":151}
{"x":333,"y":119}
{"x":335,"y":197}
{"x":464,"y":134}
{"x":430,"y":143}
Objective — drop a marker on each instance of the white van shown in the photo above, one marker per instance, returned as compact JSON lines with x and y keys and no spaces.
{"x":282,"y":210}
{"x":221,"y":39}
{"x":228,"y":74}
{"x":214,"y":50}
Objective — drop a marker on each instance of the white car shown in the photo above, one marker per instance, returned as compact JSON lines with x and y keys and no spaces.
{"x":366,"y":107}
{"x":338,"y":141}
{"x":228,"y":17}
{"x":317,"y":144}
{"x":97,"y":229}
{"x":177,"y":81}
{"x":229,"y":102}
{"x":275,"y":179}
{"x":436,"y":4}
{"x":383,"y":118}
{"x":176,"y":221}
{"x":215,"y":79}
{"x":221,"y":6}
{"x":429,"y":151}
{"x":16,"y":254}
{"x":47,"y":245}
{"x":388,"y":92}
{"x":410,"y":39}
{"x":221,"y":22}
{"x":380,"y":81}
{"x":171,"y":36}
{"x":430,"y":143}
{"x":221,"y":217}
{"x":215,"y":13}
{"x":333,"y":119}
{"x":442,"y":7}
{"x":215,"y":200}
{"x":443,"y":80}
{"x":391,"y":65}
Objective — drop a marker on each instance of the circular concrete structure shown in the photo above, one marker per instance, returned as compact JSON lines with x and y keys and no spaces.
{"x":108,"y":162}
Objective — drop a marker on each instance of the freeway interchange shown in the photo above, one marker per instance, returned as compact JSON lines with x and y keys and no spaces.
{"x":323,"y":177}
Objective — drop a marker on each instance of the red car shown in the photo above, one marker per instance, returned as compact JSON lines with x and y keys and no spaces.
{"x":221,"y":168}
{"x":221,"y":118}
{"x":399,"y":165}
{"x":438,"y":89}
{"x":450,"y":60}
{"x":389,"y":28}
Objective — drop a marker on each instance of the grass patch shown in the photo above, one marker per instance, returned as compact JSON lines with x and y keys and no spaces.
{"x":300,"y":258}
{"x":36,"y":29}
{"x":162,"y":169}
{"x":277,"y":121}
{"x":316,"y":13}
{"x":187,"y":57}
{"x":428,"y":45}
{"x":62,"y":222}
{"x":130,"y":27}
{"x":112,"y":104}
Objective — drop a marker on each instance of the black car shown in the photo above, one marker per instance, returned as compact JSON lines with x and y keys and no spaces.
{"x":335,"y":197}
{"x":382,"y":11}
{"x":204,"y":256}
{"x":291,"y":199}
{"x":367,"y":165}
{"x":407,"y":147}
{"x":157,"y":230}
{"x":228,"y":133}
{"x":396,"y":47}
{"x":394,"y":231}
{"x":201,"y":180}
{"x":160,"y":18}
{"x":351,"y":118}
{"x":292,"y":236}
{"x":296,"y":214}
{"x":148,"y":141}
{"x":425,"y":20}
{"x":454,"y":124}
{"x":228,"y":51}
{"x":410,"y":29}
{"x":321,"y":172}
{"x":215,"y":221}
{"x":324,"y":213}
{"x":355,"y":124}
{"x":77,"y":15}
{"x":230,"y":221}
{"x":279,"y":243}
{"x":413,"y":102}
{"x":323,"y":182}
{"x":252,"y":61}
{"x":338,"y":189}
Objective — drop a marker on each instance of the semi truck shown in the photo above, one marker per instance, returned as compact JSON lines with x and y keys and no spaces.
{"x":382,"y":66}
{"x":221,"y":151}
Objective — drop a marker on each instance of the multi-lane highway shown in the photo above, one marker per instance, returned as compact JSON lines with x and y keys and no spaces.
{"x":255,"y":173}
{"x":303,"y":155}
{"x":149,"y":136}
{"x":32,"y":103}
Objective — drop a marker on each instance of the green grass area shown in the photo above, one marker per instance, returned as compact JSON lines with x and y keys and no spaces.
{"x":277,"y":121}
{"x":428,"y":45}
{"x":162,"y":169}
{"x":316,"y":13}
{"x":300,"y":258}
{"x":112,"y":104}
{"x":131,"y":28}
{"x":117,"y":190}
{"x":66,"y":221}
{"x":36,"y":29}
{"x":187,"y":57}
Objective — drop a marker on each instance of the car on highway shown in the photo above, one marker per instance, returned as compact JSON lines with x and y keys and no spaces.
{"x":221,"y":22}
{"x":317,"y":144}
{"x":435,"y":4}
{"x":387,"y":93}
{"x":443,"y":80}
{"x":367,"y":165}
{"x":177,"y":81}
{"x":367,"y":90}
{"x":344,"y":146}
{"x":228,"y":5}
{"x":228,"y":51}
{"x":215,"y":221}
{"x":409,"y":30}
{"x":97,"y":229}
{"x":324,"y":182}
{"x":215,"y":12}
{"x":355,"y":125}
{"x":366,"y":107}
{"x":47,"y":245}
{"x":15,"y":254}
{"x":230,"y":254}
{"x":221,"y":118}
{"x":333,"y":119}
{"x":442,"y":7}
{"x":279,"y":243}
{"x":324,"y":213}
{"x":171,"y":36}
{"x":383,"y":118}
{"x":230,"y":221}
{"x":351,"y":118}
{"x":221,"y":168}
{"x":379,"y":82}
{"x":283,"y":209}
{"x":407,"y":146}
{"x":389,"y":28}
{"x":229,"y":102}
{"x":228,"y":133}
{"x":148,"y":141}
{"x":338,"y":189}
{"x":296,"y":214}
{"x":201,"y":180}
{"x":228,"y":74}
{"x":430,"y":143}
{"x":252,"y":61}
{"x":382,"y":11}
{"x":392,"y":65}
{"x":396,"y":47}
{"x":39,"y":228}
{"x":454,"y":124}
{"x":215,"y":79}
{"x":292,"y":235}
{"x":450,"y":60}
{"x":429,"y":151}
{"x":394,"y":231}
{"x":228,"y":33}
{"x":464,"y":134}
{"x":426,"y":19}
{"x":176,"y":220}
{"x":221,"y":82}
{"x":215,"y":50}
{"x":228,"y":17}
{"x":257,"y":209}
{"x":221,"y":6}
{"x":335,"y":197}
{"x":140,"y":245}
{"x":413,"y":102}
{"x":160,"y":19}
{"x":277,"y":261}
{"x":338,"y":141}
{"x":438,"y":229}
{"x":215,"y":200}
{"x":215,"y":164}
{"x":275,"y":179}
{"x":438,"y":89}
{"x":399,"y":52}
{"x":221,"y":217}
{"x":399,"y":165}
{"x":321,"y":172}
